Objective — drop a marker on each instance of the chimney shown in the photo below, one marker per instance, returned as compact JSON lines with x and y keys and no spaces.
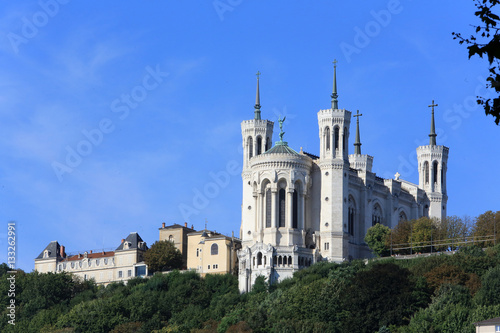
{"x":123,"y":240}
{"x":192,"y":226}
{"x":163,"y":225}
{"x":185,"y":224}
{"x":90,"y":251}
{"x":61,"y":249}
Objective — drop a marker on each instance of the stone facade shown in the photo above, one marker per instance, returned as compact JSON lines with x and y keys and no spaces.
{"x":177,"y":234}
{"x":298,"y":208}
{"x":122,"y":264}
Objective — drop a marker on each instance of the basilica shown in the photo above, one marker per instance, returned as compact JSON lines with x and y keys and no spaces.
{"x":299,"y":208}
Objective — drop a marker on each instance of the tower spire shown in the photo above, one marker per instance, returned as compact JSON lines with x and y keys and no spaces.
{"x":357,"y":144}
{"x":335,"y":103}
{"x":432,"y":136}
{"x":257,"y":100}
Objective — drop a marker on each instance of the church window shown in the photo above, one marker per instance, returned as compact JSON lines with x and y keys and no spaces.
{"x":442,"y":173}
{"x":64,"y":265}
{"x":327,"y":246}
{"x":376,"y":215}
{"x":402,"y":216}
{"x":435,"y":171}
{"x":350,"y":217}
{"x":282,"y":208}
{"x":268,"y":143}
{"x":280,"y":260}
{"x":253,"y":261}
{"x":80,"y":264}
{"x":268,"y":207}
{"x":344,"y":140}
{"x":289,"y":260}
{"x":336,"y":138}
{"x":295,"y":216}
{"x":259,"y":146}
{"x":327,"y":137}
{"x":426,"y":172}
{"x":426,"y":210}
{"x":250,"y":147}
{"x":214,"y":249}
{"x":259,"y":258}
{"x":265,"y":260}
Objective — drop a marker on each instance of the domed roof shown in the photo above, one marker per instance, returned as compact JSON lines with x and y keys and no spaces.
{"x":281,"y":147}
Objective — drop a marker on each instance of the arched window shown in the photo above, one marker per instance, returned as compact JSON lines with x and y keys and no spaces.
{"x":350,"y":216}
{"x":376,"y":215}
{"x":171,"y":238}
{"x":214,"y":249}
{"x":344,"y":140}
{"x":280,"y":261}
{"x":295,"y":216}
{"x":402,"y":216}
{"x":435,"y":171}
{"x":426,"y":172}
{"x":259,"y":258}
{"x":268,"y":143}
{"x":197,"y":252}
{"x":282,"y":208}
{"x":442,"y":173}
{"x":250,"y":147}
{"x":268,"y":207}
{"x":327,"y":138}
{"x":46,"y":253}
{"x":289,"y":260}
{"x":259,"y":146}
{"x":265,"y":260}
{"x":336,"y":138}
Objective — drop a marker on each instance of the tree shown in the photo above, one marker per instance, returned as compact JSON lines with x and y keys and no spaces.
{"x":486,"y":41}
{"x":163,"y":255}
{"x":376,"y":239}
{"x":485,"y":226}
{"x":451,"y":230}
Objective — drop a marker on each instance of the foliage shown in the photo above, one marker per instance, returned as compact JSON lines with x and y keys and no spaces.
{"x":486,"y":41}
{"x":486,"y":225}
{"x":376,"y":239}
{"x":163,"y":255}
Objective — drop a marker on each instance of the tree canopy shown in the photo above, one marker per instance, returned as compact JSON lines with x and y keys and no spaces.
{"x":486,"y":41}
{"x":163,"y":255}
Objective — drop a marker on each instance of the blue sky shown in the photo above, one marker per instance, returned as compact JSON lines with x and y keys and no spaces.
{"x":116,"y":117}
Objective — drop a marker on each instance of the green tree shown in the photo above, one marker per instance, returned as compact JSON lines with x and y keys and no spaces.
{"x":376,"y":239}
{"x":451,"y":231}
{"x":485,"y":228}
{"x":163,"y":255}
{"x":486,"y":41}
{"x":400,"y":237}
{"x":490,"y":288}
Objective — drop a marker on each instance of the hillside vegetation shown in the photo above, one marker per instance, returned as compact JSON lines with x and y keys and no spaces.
{"x":443,"y":293}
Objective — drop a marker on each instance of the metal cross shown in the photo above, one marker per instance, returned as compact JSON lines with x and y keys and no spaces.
{"x":335,"y":62}
{"x":432,"y":106}
{"x":358,"y":114}
{"x":258,"y":74}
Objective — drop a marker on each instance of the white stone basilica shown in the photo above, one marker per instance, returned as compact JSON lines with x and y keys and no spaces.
{"x":299,"y":208}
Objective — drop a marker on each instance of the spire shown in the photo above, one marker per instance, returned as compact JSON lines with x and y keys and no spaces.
{"x":335,"y":103}
{"x":257,"y":99}
{"x":432,"y":136}
{"x":357,"y":144}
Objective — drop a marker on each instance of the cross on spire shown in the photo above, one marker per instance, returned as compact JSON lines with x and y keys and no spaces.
{"x":257,"y":99}
{"x":357,"y":144}
{"x":335,"y":103}
{"x":432,"y":136}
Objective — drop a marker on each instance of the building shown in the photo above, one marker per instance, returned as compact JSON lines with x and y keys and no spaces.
{"x":177,"y":234}
{"x":299,"y":208}
{"x":122,"y":264}
{"x":211,"y":252}
{"x":488,"y":326}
